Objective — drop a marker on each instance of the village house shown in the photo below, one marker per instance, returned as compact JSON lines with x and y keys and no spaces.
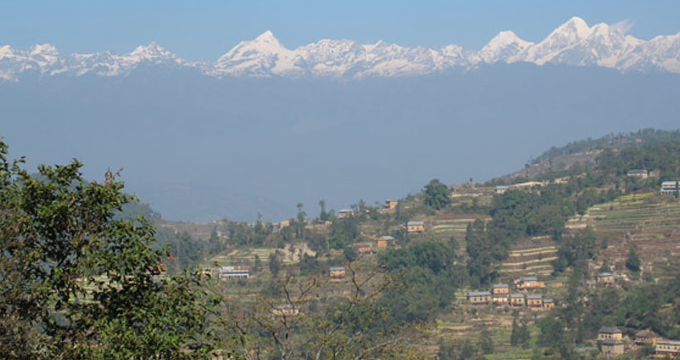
{"x":535,"y":301}
{"x":362,"y":248}
{"x":669,"y":187}
{"x":281,"y":224}
{"x":345,"y":213}
{"x":500,"y":293}
{"x":611,"y":347}
{"x":479,"y":297}
{"x":605,"y":278}
{"x":527,"y":283}
{"x":517,"y":300}
{"x":645,"y":337}
{"x":385,"y":242}
{"x":501,"y":189}
{"x":609,"y":333}
{"x":670,"y":348}
{"x":642,"y":174}
{"x":233,"y":272}
{"x":391,"y":204}
{"x":415,"y":226}
{"x":548,"y":303}
{"x":285,"y":310}
{"x":337,"y":272}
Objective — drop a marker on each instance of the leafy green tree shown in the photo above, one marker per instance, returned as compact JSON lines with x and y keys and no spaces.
{"x":323,"y":216}
{"x":275,"y":263}
{"x":78,"y":284}
{"x":437,"y":194}
{"x":633,"y":261}
{"x":486,"y":342}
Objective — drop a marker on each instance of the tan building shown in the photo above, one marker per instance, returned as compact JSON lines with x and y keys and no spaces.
{"x":670,"y":348}
{"x":644,"y":337}
{"x":362,"y":248}
{"x":391,"y":204}
{"x":415,"y":226}
{"x":500,"y":293}
{"x":535,"y":301}
{"x":479,"y":297}
{"x":517,"y":300}
{"x":605,"y":278}
{"x":285,"y":310}
{"x":642,"y":174}
{"x":548,"y":303}
{"x":500,"y":289}
{"x":611,"y":347}
{"x":233,"y":272}
{"x":609,"y":333}
{"x":527,"y":283}
{"x":501,"y":189}
{"x":337,"y":272}
{"x":345,"y":213}
{"x":385,"y":242}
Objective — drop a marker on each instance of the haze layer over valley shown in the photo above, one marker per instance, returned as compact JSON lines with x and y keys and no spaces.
{"x":265,"y":127}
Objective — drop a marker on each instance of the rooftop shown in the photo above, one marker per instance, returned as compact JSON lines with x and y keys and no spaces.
{"x":479,"y":293}
{"x":337,"y":268}
{"x":500,"y":286}
{"x":415,"y":223}
{"x":529,"y":278}
{"x":517,"y":296}
{"x":604,"y":274}
{"x":669,"y":342}
{"x":609,"y":330}
{"x":535,"y":296}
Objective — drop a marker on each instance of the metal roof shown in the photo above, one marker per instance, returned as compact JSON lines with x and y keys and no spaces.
{"x":668,"y":342}
{"x":500,"y":286}
{"x":337,"y":268}
{"x":535,"y":296}
{"x":603,"y":274}
{"x":529,"y":278}
{"x":387,"y":237}
{"x":479,"y":293}
{"x":517,"y":296}
{"x":415,"y":223}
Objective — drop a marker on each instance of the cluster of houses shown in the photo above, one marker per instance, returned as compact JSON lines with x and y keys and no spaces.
{"x":228,"y":272}
{"x":500,"y":295}
{"x":612,"y":343}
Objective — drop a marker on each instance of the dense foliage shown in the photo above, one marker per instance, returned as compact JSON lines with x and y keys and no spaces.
{"x":77,"y":284}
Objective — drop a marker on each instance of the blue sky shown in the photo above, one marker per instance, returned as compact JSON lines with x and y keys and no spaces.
{"x":203,"y":30}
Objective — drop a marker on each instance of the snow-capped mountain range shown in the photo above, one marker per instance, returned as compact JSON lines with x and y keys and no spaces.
{"x":573,"y":43}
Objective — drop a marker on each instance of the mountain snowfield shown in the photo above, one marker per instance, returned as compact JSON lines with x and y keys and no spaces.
{"x":573,"y":43}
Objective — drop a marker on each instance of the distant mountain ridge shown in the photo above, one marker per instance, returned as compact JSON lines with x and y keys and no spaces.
{"x":573,"y":43}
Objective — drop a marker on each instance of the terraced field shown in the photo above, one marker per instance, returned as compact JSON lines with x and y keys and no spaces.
{"x":530,"y":257}
{"x":650,"y":222}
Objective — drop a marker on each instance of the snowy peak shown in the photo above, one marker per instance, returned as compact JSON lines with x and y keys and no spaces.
{"x":503,"y":47}
{"x":573,"y":43}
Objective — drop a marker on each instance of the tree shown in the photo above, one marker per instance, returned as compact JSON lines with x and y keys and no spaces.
{"x":78,"y":284}
{"x":323,"y":216}
{"x":275,"y":263}
{"x":486,"y":342}
{"x":633,"y":261}
{"x":437,"y":194}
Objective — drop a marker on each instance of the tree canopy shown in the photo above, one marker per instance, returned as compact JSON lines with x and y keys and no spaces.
{"x":78,"y":284}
